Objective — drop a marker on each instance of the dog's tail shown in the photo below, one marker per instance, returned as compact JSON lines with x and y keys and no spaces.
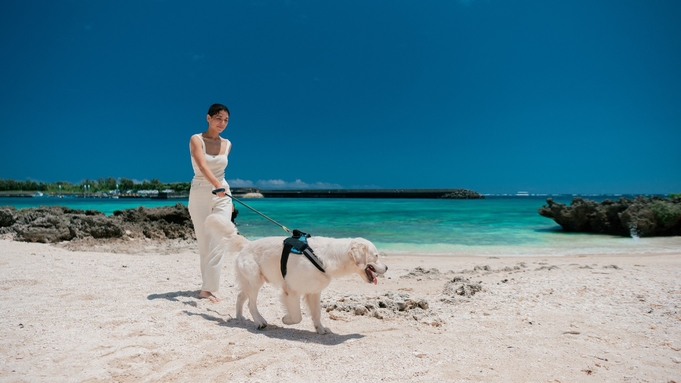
{"x":222,"y":234}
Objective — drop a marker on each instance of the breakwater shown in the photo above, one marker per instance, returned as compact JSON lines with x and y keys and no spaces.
{"x":367,"y":193}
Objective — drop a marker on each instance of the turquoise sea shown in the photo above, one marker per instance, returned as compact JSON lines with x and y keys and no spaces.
{"x":494,"y":226}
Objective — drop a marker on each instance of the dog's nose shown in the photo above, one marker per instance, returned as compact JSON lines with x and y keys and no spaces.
{"x":386,"y":268}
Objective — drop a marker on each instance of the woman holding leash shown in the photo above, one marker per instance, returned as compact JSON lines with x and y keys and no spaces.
{"x":209,"y":193}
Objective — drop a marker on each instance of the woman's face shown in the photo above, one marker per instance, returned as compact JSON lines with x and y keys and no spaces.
{"x":219,"y":121}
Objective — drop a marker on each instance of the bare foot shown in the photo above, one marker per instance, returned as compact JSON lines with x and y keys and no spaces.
{"x":207,"y":294}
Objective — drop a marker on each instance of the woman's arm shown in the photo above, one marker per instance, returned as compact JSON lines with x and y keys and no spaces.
{"x":196,"y":150}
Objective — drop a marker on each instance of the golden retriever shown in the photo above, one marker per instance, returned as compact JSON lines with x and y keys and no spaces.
{"x":259,"y":262}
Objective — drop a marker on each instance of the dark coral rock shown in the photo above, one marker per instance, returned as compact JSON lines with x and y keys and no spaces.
{"x":644,"y":217}
{"x":57,"y":223}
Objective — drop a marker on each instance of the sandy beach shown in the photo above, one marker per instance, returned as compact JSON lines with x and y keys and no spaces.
{"x":90,"y":316}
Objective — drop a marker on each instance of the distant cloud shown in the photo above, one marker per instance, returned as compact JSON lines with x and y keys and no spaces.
{"x":282,"y":185}
{"x":239,"y":183}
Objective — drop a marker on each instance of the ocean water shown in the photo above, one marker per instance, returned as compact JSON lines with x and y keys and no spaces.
{"x":495,"y":226}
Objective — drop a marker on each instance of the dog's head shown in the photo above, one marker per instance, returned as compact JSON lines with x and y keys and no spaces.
{"x":365,"y":255}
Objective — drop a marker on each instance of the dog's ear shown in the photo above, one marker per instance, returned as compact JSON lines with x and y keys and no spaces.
{"x":358,"y":252}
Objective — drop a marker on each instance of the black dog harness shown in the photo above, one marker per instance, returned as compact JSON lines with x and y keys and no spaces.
{"x":298,"y":244}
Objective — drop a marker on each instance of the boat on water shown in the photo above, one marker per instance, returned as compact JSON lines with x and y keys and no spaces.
{"x":38,"y":194}
{"x":522,"y":194}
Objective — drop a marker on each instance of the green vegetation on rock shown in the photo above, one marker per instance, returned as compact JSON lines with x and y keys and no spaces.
{"x":666,"y":212}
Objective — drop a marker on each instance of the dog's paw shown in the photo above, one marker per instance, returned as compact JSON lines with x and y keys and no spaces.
{"x":321,"y":330}
{"x":240,"y":317}
{"x":288,"y":319}
{"x":261,"y":324}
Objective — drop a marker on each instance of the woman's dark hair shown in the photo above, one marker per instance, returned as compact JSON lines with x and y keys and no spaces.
{"x":216,"y":108}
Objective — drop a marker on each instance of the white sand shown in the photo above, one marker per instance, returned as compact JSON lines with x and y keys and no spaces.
{"x":70,"y":316}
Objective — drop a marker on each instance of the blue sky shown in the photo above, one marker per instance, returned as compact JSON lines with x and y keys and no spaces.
{"x":497,"y":96}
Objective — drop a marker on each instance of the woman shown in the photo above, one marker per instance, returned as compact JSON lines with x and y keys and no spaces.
{"x":209,"y":193}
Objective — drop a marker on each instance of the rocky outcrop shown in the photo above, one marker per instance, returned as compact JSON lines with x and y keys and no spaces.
{"x":172,"y":222}
{"x":463,"y":194}
{"x":57,"y":223}
{"x":642,"y":216}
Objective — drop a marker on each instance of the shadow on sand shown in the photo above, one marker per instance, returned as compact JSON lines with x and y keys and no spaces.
{"x":175,"y":295}
{"x":271,"y":331}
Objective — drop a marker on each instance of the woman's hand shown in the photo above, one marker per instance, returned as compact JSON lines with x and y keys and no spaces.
{"x":220,"y":192}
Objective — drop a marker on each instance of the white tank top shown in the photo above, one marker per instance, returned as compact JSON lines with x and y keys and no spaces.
{"x":216,"y":163}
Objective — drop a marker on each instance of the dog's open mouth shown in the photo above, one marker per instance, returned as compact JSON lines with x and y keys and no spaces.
{"x":371,"y":274}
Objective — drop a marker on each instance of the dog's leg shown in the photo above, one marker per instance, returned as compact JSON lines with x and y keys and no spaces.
{"x":240,"y":300}
{"x":243,"y":285}
{"x":252,"y":294}
{"x":250,"y":282}
{"x":292,"y":303}
{"x":313,"y":303}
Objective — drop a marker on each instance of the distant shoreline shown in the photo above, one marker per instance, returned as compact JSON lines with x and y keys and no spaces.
{"x":336,"y":193}
{"x":308,"y":193}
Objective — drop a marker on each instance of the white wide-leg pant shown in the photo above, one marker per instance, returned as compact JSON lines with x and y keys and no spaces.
{"x":202,"y":203}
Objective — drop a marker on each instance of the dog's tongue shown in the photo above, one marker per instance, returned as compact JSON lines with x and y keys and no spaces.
{"x":371,"y":275}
